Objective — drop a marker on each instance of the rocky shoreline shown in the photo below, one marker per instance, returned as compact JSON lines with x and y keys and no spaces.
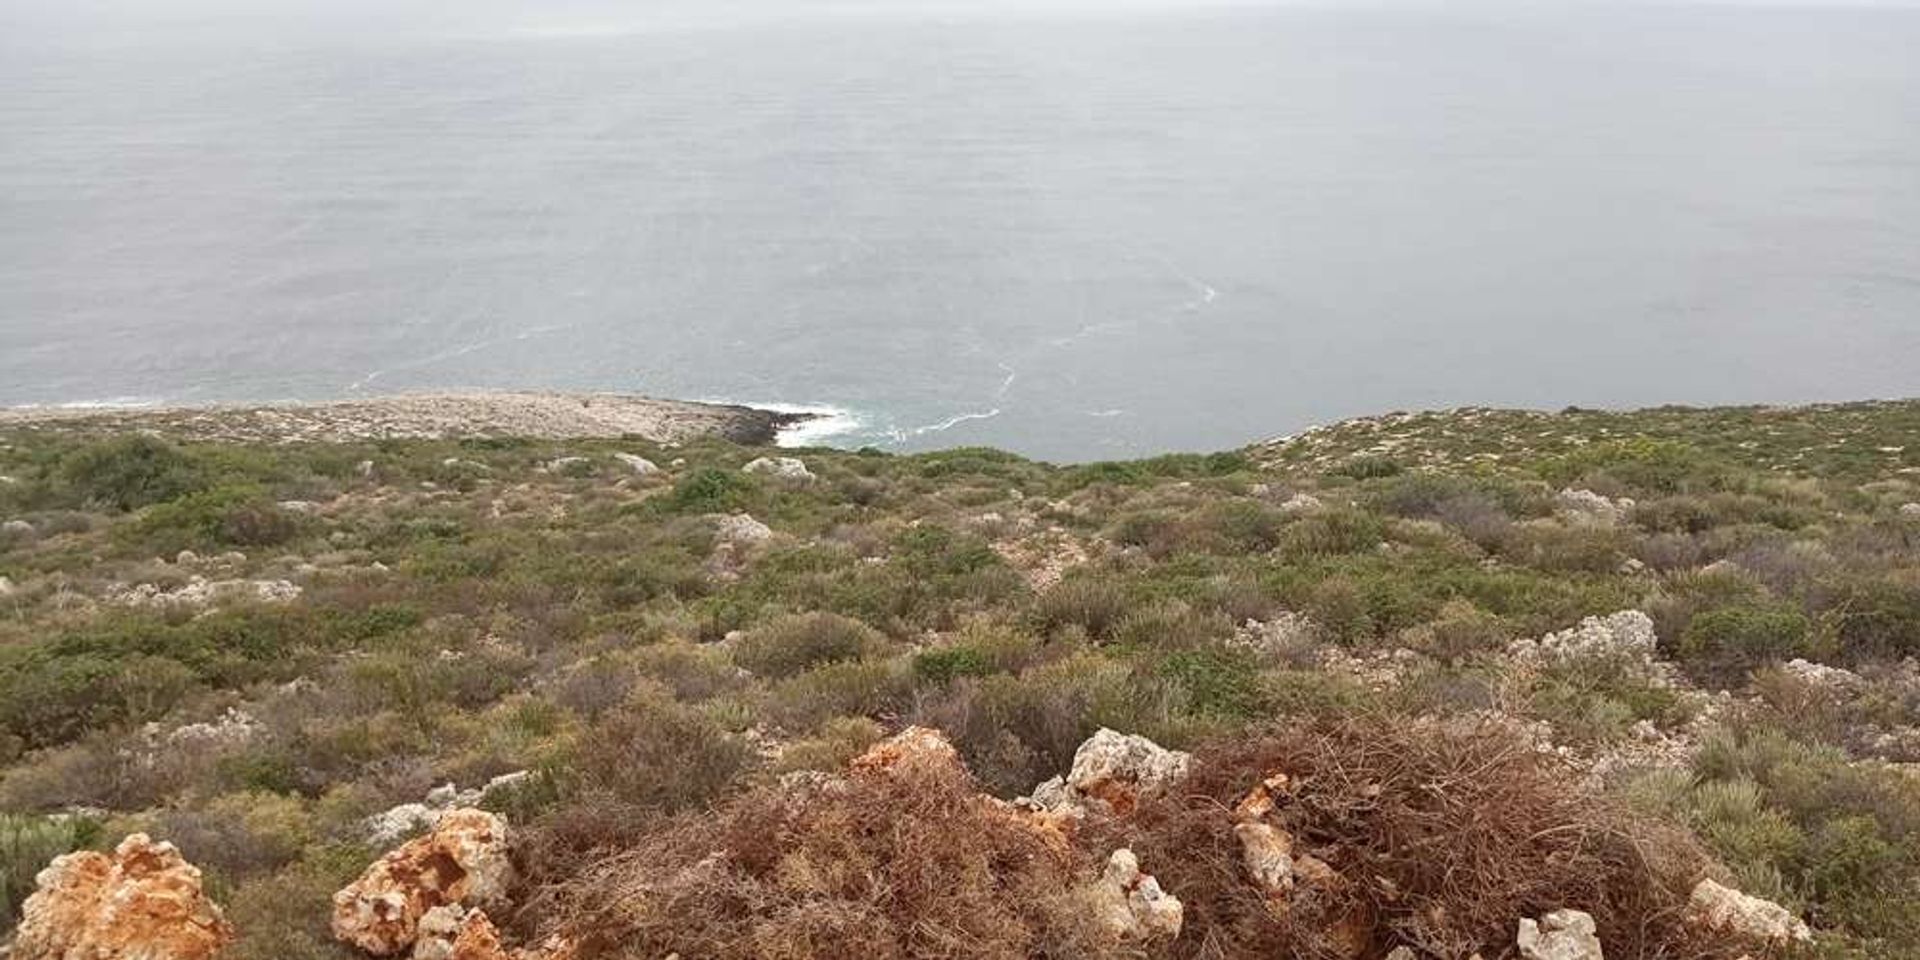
{"x":430,"y":416}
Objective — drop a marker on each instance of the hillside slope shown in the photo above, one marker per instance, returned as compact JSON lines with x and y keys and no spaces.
{"x":1438,"y":674}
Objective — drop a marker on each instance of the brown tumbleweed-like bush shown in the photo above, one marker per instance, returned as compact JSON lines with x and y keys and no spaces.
{"x":913,"y":864}
{"x":1443,"y":836}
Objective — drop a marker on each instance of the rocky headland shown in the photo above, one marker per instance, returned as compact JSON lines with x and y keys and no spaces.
{"x":554,"y":416}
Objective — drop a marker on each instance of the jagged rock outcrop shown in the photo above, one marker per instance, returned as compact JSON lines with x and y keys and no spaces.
{"x":142,"y":902}
{"x":1130,"y":905}
{"x":463,"y":862}
{"x":1111,"y":773}
{"x":782,"y":468}
{"x":1729,"y":912}
{"x":1560,"y":935}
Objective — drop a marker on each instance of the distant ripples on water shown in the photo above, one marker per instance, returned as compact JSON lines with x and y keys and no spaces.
{"x":1076,"y":233}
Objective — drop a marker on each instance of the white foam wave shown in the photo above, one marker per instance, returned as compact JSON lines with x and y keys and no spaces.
{"x":947,"y":424}
{"x":824,"y":424}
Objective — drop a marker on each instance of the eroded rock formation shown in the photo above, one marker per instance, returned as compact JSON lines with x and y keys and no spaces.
{"x":1111,"y":773}
{"x":142,"y":902}
{"x":463,"y":862}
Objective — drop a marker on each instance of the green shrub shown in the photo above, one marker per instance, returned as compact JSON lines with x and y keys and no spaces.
{"x":795,"y":644}
{"x":1874,"y":616}
{"x":1312,"y":693}
{"x":1214,"y":682}
{"x":1798,"y":823}
{"x":693,"y":673}
{"x":1369,"y":468}
{"x":851,"y":688}
{"x":1640,"y":466}
{"x":1461,"y":631}
{"x":657,"y":754}
{"x":221,"y":517}
{"x":1332,"y":533}
{"x":1730,"y":641}
{"x":839,"y":741}
{"x":979,"y":650}
{"x":130,"y":472}
{"x":285,"y":916}
{"x":710,"y":490}
{"x":27,"y":843}
{"x":930,"y":551}
{"x":1015,"y":731}
{"x":941,"y":665}
{"x":1094,"y":603}
{"x":1691,"y":515}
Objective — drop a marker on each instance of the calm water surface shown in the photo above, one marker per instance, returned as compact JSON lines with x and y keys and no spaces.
{"x":1074,"y":232}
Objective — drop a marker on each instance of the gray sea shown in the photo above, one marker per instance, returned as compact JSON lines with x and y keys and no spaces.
{"x":1076,"y":230}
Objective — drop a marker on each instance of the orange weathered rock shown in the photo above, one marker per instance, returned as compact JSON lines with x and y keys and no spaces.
{"x":142,"y":902}
{"x":463,"y":862}
{"x":1262,"y":799}
{"x":915,"y":747}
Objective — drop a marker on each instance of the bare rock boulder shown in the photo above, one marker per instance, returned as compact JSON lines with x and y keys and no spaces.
{"x":641,"y":466}
{"x":1560,"y":935}
{"x":781,"y":468}
{"x":740,"y":529}
{"x":464,"y":862}
{"x":1130,"y":904}
{"x":1729,"y":912}
{"x":142,"y":902}
{"x":1111,"y":773}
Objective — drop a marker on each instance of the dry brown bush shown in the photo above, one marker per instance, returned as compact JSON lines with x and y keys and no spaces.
{"x":912,"y":864}
{"x":1445,"y":837}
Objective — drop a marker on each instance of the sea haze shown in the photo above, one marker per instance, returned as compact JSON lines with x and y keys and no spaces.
{"x":1077,"y":231}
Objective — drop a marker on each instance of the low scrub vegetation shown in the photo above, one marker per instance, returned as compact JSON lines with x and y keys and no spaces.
{"x":253,"y":649}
